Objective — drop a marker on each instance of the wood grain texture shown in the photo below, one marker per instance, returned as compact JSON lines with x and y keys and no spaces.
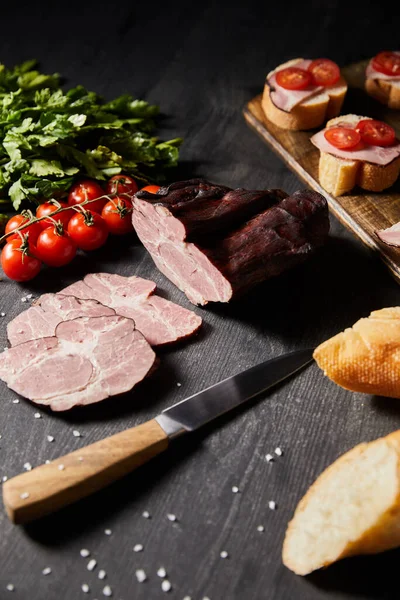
{"x":361,"y":212}
{"x":52,"y":486}
{"x":202,"y":62}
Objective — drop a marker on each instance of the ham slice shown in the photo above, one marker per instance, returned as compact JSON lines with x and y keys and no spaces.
{"x":371,"y":73}
{"x":48,"y":311}
{"x":288,"y":99}
{"x":161,"y":322}
{"x":87,"y":360}
{"x":372,"y":154}
{"x":390,"y":236}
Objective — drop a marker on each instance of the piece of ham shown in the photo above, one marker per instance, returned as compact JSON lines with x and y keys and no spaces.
{"x":390,"y":236}
{"x":161,"y":322}
{"x":41,"y":319}
{"x":287,"y":99}
{"x":377,"y":155}
{"x":87,"y":360}
{"x":371,"y":73}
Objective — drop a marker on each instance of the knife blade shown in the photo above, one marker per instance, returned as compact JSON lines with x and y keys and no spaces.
{"x":49,"y":487}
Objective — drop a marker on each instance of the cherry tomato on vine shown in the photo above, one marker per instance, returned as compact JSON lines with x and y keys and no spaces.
{"x":18,"y":260}
{"x":88,"y":230}
{"x":293,"y":78}
{"x":46,"y":209}
{"x":16,"y":221}
{"x":387,"y":63}
{"x":152,"y":189}
{"x":55,"y":247}
{"x":117,"y":213}
{"x":87,"y":189}
{"x":324,"y":71}
{"x":376,"y":133}
{"x":344,"y":138}
{"x":122,"y":184}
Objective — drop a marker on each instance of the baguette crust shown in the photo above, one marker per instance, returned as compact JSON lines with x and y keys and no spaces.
{"x":339,"y":176}
{"x":311,"y":113}
{"x":385,"y":91}
{"x":352,"y":508}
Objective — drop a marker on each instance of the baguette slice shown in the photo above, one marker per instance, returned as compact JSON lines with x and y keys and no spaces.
{"x":365,"y":358}
{"x":352,"y":508}
{"x":387,"y":92}
{"x":311,"y":113}
{"x":339,"y":176}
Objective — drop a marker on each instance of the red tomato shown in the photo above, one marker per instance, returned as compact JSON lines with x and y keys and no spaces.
{"x":324,"y":71}
{"x":55,"y":247}
{"x":122,"y":184}
{"x":87,"y":190}
{"x":376,"y":133}
{"x":152,"y":189}
{"x":18,"y":220}
{"x":343,"y":138}
{"x":293,"y":78}
{"x":18,"y":261}
{"x":387,"y":63}
{"x":43,"y":210}
{"x":88,"y":230}
{"x":117,"y":215}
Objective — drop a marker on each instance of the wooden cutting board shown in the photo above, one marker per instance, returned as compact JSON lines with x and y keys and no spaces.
{"x":361,"y":212}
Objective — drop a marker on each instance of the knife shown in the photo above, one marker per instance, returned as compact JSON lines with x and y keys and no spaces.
{"x":52,"y":486}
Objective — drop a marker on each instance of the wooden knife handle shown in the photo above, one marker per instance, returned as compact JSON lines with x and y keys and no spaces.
{"x":49,"y":487}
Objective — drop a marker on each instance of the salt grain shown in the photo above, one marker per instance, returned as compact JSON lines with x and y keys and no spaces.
{"x":260,"y":528}
{"x":10,"y":587}
{"x":272,"y":505}
{"x":187,"y":598}
{"x":80,"y":458}
{"x":166,"y":586}
{"x":84,"y":553}
{"x":146,"y":514}
{"x":29,"y":296}
{"x":37,"y":416}
{"x":24,"y":496}
{"x":171,"y":517}
{"x":108,"y":531}
{"x":235,"y":489}
{"x":162,"y":572}
{"x":138,"y":548}
{"x":178,"y":384}
{"x":61,"y":467}
{"x":140,"y":575}
{"x":278,"y":452}
{"x":269,"y":457}
{"x":28,"y":466}
{"x":50,"y":438}
{"x":91,"y":565}
{"x":107,"y":591}
{"x":46,"y":571}
{"x":3,"y":314}
{"x":23,"y":299}
{"x":16,"y":401}
{"x":85,"y":588}
{"x":102,"y":574}
{"x":76,"y":433}
{"x":4,"y":478}
{"x":224,"y":554}
{"x":47,"y":462}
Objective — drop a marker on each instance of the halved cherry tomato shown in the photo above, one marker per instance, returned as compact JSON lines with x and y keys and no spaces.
{"x":16,"y":221}
{"x":87,"y":189}
{"x":152,"y":189}
{"x":88,"y":230}
{"x":324,"y":71}
{"x":293,"y":78}
{"x":343,"y":138}
{"x":387,"y":63}
{"x":46,"y":209}
{"x":117,"y":213}
{"x":55,"y":247}
{"x":376,"y":133}
{"x":122,"y":184}
{"x":18,"y":260}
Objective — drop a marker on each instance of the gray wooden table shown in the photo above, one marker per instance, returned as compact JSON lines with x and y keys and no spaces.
{"x":201,"y":62}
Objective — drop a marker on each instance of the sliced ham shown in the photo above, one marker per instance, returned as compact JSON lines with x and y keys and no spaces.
{"x":391,"y":235}
{"x":161,"y":321}
{"x":371,"y":73}
{"x":372,"y":154}
{"x":255,"y":235}
{"x":41,"y":319}
{"x":288,"y":99}
{"x":87,"y":360}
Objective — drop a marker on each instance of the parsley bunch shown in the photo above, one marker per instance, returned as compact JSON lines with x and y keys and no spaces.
{"x":48,"y":137}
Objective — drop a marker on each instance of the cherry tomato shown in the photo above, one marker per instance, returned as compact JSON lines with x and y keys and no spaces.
{"x":117,"y":213}
{"x":324,"y":71}
{"x":343,"y":138}
{"x":43,"y":210}
{"x":122,"y":184}
{"x":387,"y":63}
{"x":55,"y":247}
{"x":18,"y":220}
{"x":18,"y":261}
{"x":87,"y":189}
{"x":88,"y":230}
{"x":152,"y":189}
{"x":376,"y":133}
{"x":293,"y":78}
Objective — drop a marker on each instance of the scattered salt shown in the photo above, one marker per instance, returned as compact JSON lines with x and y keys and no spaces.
{"x":23,"y":299}
{"x":138,"y":548}
{"x":37,"y":416}
{"x":146,"y":514}
{"x":171,"y":517}
{"x":178,"y":384}
{"x":107,"y":591}
{"x":102,"y":574}
{"x":46,"y":571}
{"x":76,"y":433}
{"x":260,"y":528}
{"x":47,"y":462}
{"x":162,"y":572}
{"x":166,"y":586}
{"x":272,"y":505}
{"x":4,"y":478}
{"x":85,"y":588}
{"x":91,"y":565}
{"x":29,"y":296}
{"x":16,"y":401}
{"x":140,"y":575}
{"x":108,"y":531}
{"x":187,"y":598}
{"x":2,"y":314}
{"x":84,"y":553}
{"x":224,"y":554}
{"x":235,"y":489}
{"x":24,"y":496}
{"x":278,"y":452}
{"x":28,"y":466}
{"x":10,"y":587}
{"x":269,"y":457}
{"x":80,"y":458}
{"x":50,"y":438}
